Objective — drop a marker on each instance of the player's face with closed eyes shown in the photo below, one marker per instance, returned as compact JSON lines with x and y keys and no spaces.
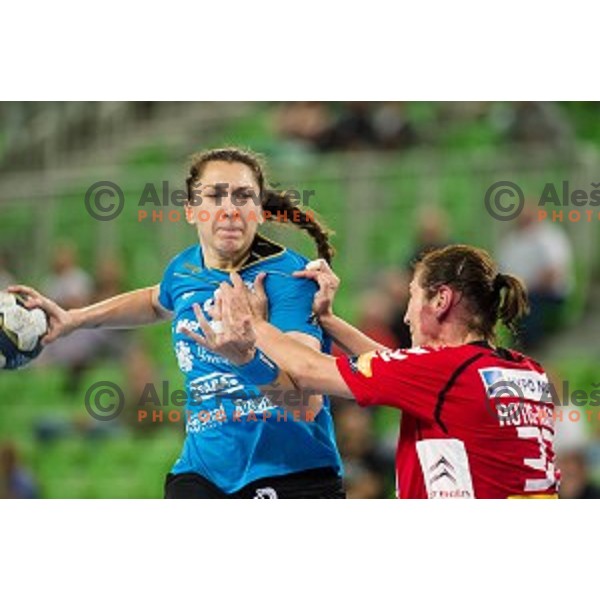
{"x":226,"y":209}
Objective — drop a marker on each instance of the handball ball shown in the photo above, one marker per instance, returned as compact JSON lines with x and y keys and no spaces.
{"x":20,"y":331}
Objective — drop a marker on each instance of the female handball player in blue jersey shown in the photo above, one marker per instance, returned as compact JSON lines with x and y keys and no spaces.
{"x":238,"y":444}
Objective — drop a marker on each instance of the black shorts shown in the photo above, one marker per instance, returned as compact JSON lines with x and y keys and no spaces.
{"x":315,"y":483}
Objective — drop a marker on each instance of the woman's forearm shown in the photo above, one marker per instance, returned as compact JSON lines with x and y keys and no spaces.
{"x":128,"y":310}
{"x":350,"y":339}
{"x":308,"y":369}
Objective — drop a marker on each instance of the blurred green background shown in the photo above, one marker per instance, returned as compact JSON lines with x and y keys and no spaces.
{"x":369,"y":190}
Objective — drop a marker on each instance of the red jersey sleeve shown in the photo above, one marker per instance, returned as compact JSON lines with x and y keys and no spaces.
{"x":411,"y":379}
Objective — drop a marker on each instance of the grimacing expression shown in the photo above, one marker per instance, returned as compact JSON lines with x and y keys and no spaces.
{"x":226,"y":210}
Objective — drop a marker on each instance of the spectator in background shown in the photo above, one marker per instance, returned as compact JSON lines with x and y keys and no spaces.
{"x":593,"y":452}
{"x":108,"y":280}
{"x":6,"y":278}
{"x":366,"y":466}
{"x":304,"y":122}
{"x":69,"y":285}
{"x":145,"y":395}
{"x":352,"y":130}
{"x":357,"y":126}
{"x":540,"y":253}
{"x":15,"y":480}
{"x":572,"y":445}
{"x":461,"y":113}
{"x":395,"y":282}
{"x":431,"y":231}
{"x":575,"y":481}
{"x":393,"y":129}
{"x":537,"y":124}
{"x":375,"y":317}
{"x":383,"y":309}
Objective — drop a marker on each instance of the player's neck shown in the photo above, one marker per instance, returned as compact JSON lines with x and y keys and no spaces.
{"x":456,"y":336}
{"x":214,"y":260}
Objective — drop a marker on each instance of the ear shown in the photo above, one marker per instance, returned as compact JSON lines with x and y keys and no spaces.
{"x":443,"y":301}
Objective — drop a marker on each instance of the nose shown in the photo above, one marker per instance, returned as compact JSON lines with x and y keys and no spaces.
{"x":406,"y":319}
{"x":228,"y":209}
{"x":227,"y":203}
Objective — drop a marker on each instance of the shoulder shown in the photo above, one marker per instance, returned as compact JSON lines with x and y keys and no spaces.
{"x":442,"y":354}
{"x":268,"y":255}
{"x":281,"y":281}
{"x":435,"y":362}
{"x":279,"y":263}
{"x":282,"y":259}
{"x":467,"y":354}
{"x":186,"y":256}
{"x":522,"y":360}
{"x":293,"y":261}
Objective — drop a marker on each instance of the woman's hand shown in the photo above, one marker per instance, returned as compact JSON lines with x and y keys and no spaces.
{"x":61,"y":322}
{"x":258,"y":298}
{"x":234,"y":338}
{"x":255,"y":297}
{"x":328,"y":282}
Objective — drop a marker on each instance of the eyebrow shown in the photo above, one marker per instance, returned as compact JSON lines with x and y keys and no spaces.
{"x":228,"y":186}
{"x":216,"y":187}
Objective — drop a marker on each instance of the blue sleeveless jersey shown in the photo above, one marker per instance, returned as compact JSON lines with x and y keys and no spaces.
{"x":235,"y":435}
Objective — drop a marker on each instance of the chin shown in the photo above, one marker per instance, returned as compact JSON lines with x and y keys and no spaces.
{"x":229,"y":248}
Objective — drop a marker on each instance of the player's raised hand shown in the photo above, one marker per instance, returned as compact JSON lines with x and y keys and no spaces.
{"x":328,"y":282}
{"x":253,"y":304}
{"x":258,"y":298}
{"x":60,"y":321}
{"x":235,"y":338}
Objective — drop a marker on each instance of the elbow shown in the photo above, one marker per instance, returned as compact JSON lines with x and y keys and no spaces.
{"x":159,"y":312}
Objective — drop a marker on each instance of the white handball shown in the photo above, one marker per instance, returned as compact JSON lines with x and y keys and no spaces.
{"x":20,"y":331}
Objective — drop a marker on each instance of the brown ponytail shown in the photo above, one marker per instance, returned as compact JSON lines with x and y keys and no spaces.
{"x":512,"y":300}
{"x":276,"y":205}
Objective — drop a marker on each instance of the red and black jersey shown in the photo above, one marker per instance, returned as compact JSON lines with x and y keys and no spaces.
{"x":477,"y":421}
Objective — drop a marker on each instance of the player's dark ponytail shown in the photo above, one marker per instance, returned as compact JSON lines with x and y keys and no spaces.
{"x":490,"y":296}
{"x":277,"y":206}
{"x":512,"y":300}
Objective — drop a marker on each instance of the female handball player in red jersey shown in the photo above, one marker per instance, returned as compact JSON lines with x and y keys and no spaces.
{"x":477,"y":419}
{"x":238,"y":443}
